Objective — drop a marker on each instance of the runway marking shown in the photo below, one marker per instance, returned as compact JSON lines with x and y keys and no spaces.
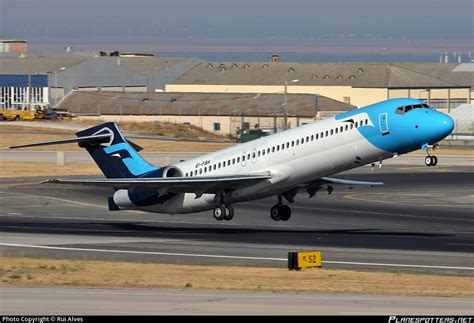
{"x":14,"y":213}
{"x":230,"y":257}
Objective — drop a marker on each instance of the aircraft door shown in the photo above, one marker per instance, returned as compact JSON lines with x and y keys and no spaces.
{"x":383,"y":123}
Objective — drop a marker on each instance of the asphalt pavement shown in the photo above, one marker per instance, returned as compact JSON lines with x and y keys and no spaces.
{"x":421,"y":221}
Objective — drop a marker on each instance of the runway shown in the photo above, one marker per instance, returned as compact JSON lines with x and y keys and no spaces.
{"x":421,"y":221}
{"x":99,"y":301}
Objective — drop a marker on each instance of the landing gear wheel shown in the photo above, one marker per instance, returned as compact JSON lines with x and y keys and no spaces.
{"x":229,"y":212}
{"x":275,"y":213}
{"x":219,"y":212}
{"x":285,"y":212}
{"x":428,"y":160}
{"x":431,"y":160}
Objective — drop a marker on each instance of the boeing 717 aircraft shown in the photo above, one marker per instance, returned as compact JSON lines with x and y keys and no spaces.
{"x":280,"y":165}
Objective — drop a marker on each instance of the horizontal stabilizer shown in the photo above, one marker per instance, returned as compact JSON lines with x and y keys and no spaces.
{"x":86,"y":139}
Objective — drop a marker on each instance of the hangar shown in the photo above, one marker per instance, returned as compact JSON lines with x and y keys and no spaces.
{"x":214,"y":112}
{"x":358,"y":84}
{"x":68,"y":72}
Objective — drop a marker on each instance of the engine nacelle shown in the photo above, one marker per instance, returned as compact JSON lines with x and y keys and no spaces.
{"x":137,"y":198}
{"x":172,"y":171}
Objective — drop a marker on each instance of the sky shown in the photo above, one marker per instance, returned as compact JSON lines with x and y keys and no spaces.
{"x":190,"y":20}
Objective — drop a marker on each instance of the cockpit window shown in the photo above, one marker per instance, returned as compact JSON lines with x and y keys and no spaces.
{"x":408,"y":108}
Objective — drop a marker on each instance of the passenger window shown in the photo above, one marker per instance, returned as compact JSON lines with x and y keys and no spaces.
{"x":228,"y":162}
{"x":357,"y":124}
{"x":214,"y":166}
{"x":341,"y":128}
{"x":307,"y":139}
{"x":332,"y":131}
{"x":312,"y":137}
{"x":297,"y":142}
{"x":219,"y":165}
{"x":263,"y":152}
{"x":200,"y":170}
{"x":327,"y":133}
{"x":317,"y":136}
{"x":273,"y":149}
{"x":268,"y":150}
{"x":258,"y":153}
{"x":288,"y":145}
{"x":253,"y":155}
{"x":238,"y":159}
{"x":336,"y":131}
{"x":292,"y":143}
{"x":352,"y":126}
{"x":233,"y":161}
{"x":278,"y":147}
{"x":346,"y":127}
{"x":248,"y":156}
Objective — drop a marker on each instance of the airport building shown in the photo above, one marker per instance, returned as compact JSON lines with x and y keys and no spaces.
{"x":360,"y":84}
{"x":13,"y":46}
{"x":214,"y":112}
{"x":23,"y":92}
{"x":128,"y":73}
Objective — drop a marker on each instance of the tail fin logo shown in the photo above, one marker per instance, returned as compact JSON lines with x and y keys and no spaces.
{"x":103,"y":131}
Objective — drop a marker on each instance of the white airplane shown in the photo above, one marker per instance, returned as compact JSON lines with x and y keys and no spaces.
{"x":282,"y":164}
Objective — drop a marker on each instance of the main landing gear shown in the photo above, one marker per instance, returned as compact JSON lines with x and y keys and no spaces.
{"x":223,"y":212}
{"x":430,"y":160}
{"x":280,"y":212}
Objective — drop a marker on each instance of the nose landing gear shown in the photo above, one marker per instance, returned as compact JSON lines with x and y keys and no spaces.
{"x":430,"y":160}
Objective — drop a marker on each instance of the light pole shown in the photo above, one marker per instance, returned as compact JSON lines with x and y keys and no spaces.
{"x":285,"y":104}
{"x":141,"y":105}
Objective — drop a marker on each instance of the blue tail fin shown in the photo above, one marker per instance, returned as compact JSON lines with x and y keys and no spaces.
{"x":115,"y":157}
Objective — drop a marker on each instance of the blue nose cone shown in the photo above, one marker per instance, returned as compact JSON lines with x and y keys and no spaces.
{"x":442,"y":125}
{"x":446,"y":125}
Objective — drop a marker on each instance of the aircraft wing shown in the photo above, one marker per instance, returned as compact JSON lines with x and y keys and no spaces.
{"x":211,"y":184}
{"x":313,"y":187}
{"x":331,"y":180}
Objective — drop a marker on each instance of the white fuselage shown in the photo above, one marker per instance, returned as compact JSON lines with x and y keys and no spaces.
{"x":292,"y":157}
